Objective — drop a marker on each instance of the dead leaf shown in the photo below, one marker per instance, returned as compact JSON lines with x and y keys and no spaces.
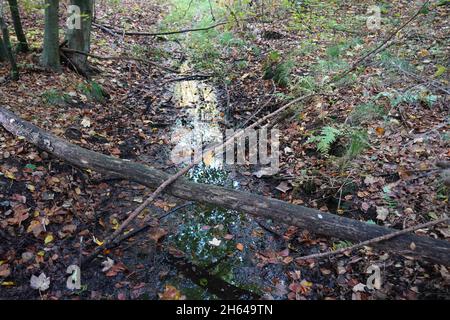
{"x":4,"y":270}
{"x":284,"y":187}
{"x":171,"y":293}
{"x":360,"y":287}
{"x":382,"y":213}
{"x":20,"y":215}
{"x":86,"y":122}
{"x":40,"y":283}
{"x":157,"y":233}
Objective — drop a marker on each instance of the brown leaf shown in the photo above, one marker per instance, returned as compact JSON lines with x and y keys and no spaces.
{"x":35,"y":227}
{"x":4,"y":270}
{"x":171,"y":293}
{"x":69,"y":228}
{"x":157,"y":233}
{"x":115,"y":269}
{"x":20,"y":215}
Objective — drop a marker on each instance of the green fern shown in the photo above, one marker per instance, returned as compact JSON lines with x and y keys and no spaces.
{"x":93,"y":91}
{"x":327,"y":137}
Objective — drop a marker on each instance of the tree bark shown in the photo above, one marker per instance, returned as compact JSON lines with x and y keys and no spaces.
{"x":3,"y":55}
{"x":79,"y":39}
{"x":8,"y":49}
{"x":50,"y":56}
{"x":315,"y":221}
{"x":15,"y":14}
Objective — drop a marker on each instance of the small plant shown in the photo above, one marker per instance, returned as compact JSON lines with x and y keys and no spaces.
{"x":356,"y":140}
{"x":278,"y":69}
{"x":341,"y":245}
{"x":327,"y":137}
{"x":409,"y":97}
{"x":93,"y":91}
{"x":55,"y":97}
{"x":366,"y":112}
{"x":306,"y":85}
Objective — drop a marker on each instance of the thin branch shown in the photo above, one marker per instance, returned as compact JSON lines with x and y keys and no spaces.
{"x":120,"y":58}
{"x":372,"y":241}
{"x":154,"y":34}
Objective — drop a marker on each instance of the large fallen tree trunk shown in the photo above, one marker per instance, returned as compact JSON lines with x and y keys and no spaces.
{"x":313,"y":220}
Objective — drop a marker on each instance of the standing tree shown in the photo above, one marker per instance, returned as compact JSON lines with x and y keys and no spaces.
{"x":79,"y":34}
{"x":15,"y":14}
{"x":50,"y":56}
{"x":2,"y":51}
{"x":7,"y":46}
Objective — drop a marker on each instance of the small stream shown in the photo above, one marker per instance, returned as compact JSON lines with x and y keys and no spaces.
{"x":209,"y":235}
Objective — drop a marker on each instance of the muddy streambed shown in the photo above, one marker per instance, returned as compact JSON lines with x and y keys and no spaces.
{"x":219,"y":244}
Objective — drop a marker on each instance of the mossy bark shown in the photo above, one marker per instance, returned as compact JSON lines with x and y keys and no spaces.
{"x":17,"y":23}
{"x":50,"y":55}
{"x":8,"y":49}
{"x":80,"y":38}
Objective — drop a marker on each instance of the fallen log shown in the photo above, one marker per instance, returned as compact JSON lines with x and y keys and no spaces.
{"x":315,"y":221}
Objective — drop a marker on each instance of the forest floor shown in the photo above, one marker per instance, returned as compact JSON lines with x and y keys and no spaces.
{"x":386,"y":124}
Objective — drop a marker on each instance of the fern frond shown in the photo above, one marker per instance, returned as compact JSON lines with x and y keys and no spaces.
{"x":327,"y":137}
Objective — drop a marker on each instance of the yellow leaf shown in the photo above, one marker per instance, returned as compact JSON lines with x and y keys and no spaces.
{"x":41,"y":253}
{"x":440,"y":71}
{"x":98,"y":242}
{"x":33,"y":224}
{"x":10,"y":175}
{"x":48,"y":238}
{"x":128,"y":231}
{"x":115,"y":224}
{"x":30,"y":187}
{"x":423,"y":53}
{"x":8,"y":283}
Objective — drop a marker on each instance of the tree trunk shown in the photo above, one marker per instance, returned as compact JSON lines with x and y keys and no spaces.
{"x":3,"y":55}
{"x":50,"y":56}
{"x":313,"y":220}
{"x":80,"y":38}
{"x":15,"y":14}
{"x":8,"y":49}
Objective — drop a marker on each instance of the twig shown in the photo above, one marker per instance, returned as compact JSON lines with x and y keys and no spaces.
{"x":422,"y":135}
{"x":190,"y":78}
{"x":211,"y":10}
{"x":129,"y":235}
{"x":432,"y":82}
{"x":105,"y":29}
{"x":262,"y":107}
{"x":187,"y":9}
{"x":371,"y":241}
{"x":163,"y":33}
{"x":120,"y":58}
